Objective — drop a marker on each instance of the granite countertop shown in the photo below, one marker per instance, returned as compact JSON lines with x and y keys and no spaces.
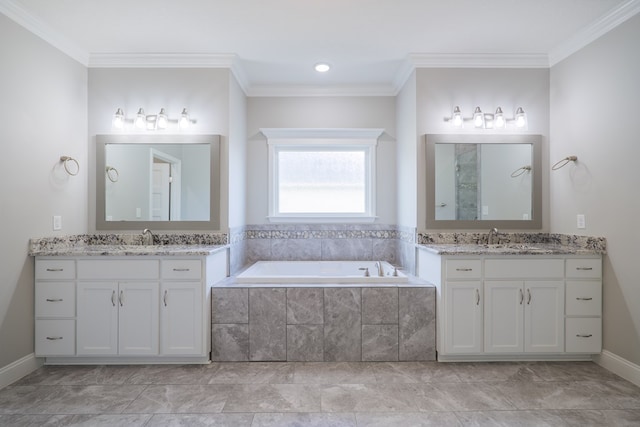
{"x":509,"y":249}
{"x":128,"y":250}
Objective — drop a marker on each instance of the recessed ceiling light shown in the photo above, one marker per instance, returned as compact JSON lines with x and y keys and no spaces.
{"x":322,"y":67}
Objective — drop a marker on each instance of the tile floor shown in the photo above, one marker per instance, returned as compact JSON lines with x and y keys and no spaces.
{"x":323,"y":394}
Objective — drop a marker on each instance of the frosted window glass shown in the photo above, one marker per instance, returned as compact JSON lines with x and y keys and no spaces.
{"x":321,"y":182}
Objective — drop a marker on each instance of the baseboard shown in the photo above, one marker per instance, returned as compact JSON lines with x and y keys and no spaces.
{"x":18,"y":369}
{"x":619,"y":366}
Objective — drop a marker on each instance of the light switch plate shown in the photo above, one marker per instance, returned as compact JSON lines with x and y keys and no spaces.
{"x":580,"y":221}
{"x":57,"y":222}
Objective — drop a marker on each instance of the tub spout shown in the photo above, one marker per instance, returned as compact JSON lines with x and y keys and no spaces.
{"x":379,"y":268}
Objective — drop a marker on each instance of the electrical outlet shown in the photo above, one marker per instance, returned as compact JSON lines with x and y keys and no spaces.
{"x":57,"y":222}
{"x":580,"y":221}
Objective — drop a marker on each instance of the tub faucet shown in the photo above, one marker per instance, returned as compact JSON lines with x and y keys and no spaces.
{"x":147,"y":237}
{"x":379,"y":268}
{"x":492,"y":233}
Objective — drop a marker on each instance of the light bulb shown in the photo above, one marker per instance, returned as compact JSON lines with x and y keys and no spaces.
{"x":456,"y":120}
{"x":499,"y":122}
{"x":140,"y":121}
{"x":162,"y":120}
{"x":118,"y":119}
{"x":184,"y":119}
{"x":521,"y":118}
{"x":478,"y":118}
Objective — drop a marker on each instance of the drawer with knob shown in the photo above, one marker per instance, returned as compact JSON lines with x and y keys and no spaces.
{"x":55,"y":337}
{"x":583,"y":298}
{"x":583,"y":335}
{"x":181,"y":269}
{"x":55,"y":299}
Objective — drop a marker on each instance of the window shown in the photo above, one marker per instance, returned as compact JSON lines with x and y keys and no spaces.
{"x":322,"y":175}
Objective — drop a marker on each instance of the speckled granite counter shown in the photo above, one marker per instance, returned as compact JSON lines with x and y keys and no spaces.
{"x":128,"y":245}
{"x":511,"y":244}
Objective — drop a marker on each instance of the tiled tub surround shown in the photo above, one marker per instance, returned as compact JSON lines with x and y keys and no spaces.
{"x":330,"y":323}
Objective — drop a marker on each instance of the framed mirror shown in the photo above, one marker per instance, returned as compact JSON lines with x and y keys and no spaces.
{"x":481,"y":181}
{"x":160,"y":182}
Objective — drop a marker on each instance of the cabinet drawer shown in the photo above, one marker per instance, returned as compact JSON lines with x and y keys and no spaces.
{"x":583,"y":335}
{"x":523,"y":268}
{"x":121,"y":269}
{"x":55,"y":337}
{"x":55,"y":269}
{"x":588,"y":268}
{"x":55,"y":299}
{"x":463,"y":268}
{"x":584,"y":298}
{"x":182,"y":269}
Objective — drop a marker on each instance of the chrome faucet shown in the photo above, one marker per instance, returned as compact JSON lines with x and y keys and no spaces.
{"x":378,"y":266}
{"x":493,"y":232}
{"x":147,"y":237}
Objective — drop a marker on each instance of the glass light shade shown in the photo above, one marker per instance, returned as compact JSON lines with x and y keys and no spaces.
{"x":140,"y":121}
{"x":478,"y":118}
{"x":184,"y":121}
{"x":498,"y":119}
{"x":162,"y":121}
{"x":521,"y":118}
{"x":456,"y":117}
{"x":322,"y":67}
{"x":118,"y":119}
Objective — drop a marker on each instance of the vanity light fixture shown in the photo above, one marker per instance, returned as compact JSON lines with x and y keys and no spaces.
{"x":150,"y":122}
{"x":488,"y":120}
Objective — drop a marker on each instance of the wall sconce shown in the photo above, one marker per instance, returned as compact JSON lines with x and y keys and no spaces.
{"x":142,"y":121}
{"x":482,"y":120}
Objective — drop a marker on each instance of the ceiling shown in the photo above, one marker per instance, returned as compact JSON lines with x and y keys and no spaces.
{"x":372,"y":45}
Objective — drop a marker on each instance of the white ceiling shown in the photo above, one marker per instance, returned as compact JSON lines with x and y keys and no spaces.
{"x":371,"y":44}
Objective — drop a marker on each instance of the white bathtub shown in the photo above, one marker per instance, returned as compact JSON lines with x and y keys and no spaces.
{"x":319,"y":272}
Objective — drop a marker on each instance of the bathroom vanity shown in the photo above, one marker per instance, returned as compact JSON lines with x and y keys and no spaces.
{"x":145,"y":304}
{"x":515,"y":302}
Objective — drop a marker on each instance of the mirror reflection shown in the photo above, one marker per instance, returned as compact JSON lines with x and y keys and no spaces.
{"x":155,"y":181}
{"x":477,"y":180}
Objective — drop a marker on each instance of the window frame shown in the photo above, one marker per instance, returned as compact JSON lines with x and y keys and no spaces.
{"x":327,"y":140}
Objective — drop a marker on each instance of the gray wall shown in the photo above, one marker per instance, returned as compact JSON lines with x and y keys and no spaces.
{"x":320,"y":112}
{"x":438,"y":90}
{"x":594,"y":100}
{"x":43,"y":115}
{"x":204,"y":92}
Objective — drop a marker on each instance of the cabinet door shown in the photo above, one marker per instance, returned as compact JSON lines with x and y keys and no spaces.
{"x":463,"y":328}
{"x":97,"y":323}
{"x":503,"y":317}
{"x":138,"y":325}
{"x":181,"y":319}
{"x":544,"y":317}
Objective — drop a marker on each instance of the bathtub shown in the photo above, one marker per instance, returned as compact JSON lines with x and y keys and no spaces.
{"x":334,"y":272}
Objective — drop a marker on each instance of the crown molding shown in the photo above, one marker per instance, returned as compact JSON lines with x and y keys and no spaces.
{"x":161,"y":60}
{"x":598,"y":28}
{"x":23,"y":18}
{"x":338,"y":90}
{"x":478,"y":60}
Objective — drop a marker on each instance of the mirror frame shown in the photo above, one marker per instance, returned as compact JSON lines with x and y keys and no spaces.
{"x":214,"y":184}
{"x":536,"y":203}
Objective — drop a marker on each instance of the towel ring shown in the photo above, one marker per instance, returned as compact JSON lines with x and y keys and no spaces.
{"x":520,"y":171}
{"x":562,"y":163}
{"x":112,"y":174}
{"x":66,"y":160}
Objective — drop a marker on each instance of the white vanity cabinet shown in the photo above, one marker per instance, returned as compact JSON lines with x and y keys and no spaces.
{"x":492,"y":307}
{"x":135,"y":309}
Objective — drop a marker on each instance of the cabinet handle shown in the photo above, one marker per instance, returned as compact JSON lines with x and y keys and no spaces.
{"x":55,"y":269}
{"x":113,"y":298}
{"x":181,"y":269}
{"x":521,"y":296}
{"x":121,"y":299}
{"x":464,"y":269}
{"x":584,"y":268}
{"x":54,"y":299}
{"x":584,"y":335}
{"x":477,"y":297}
{"x":164,"y":299}
{"x":584,"y":299}
{"x":54,"y":338}
{"x":528,"y":296}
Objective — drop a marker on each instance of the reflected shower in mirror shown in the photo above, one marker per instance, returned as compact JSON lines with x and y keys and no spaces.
{"x":473,"y":180}
{"x":163,"y":182}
